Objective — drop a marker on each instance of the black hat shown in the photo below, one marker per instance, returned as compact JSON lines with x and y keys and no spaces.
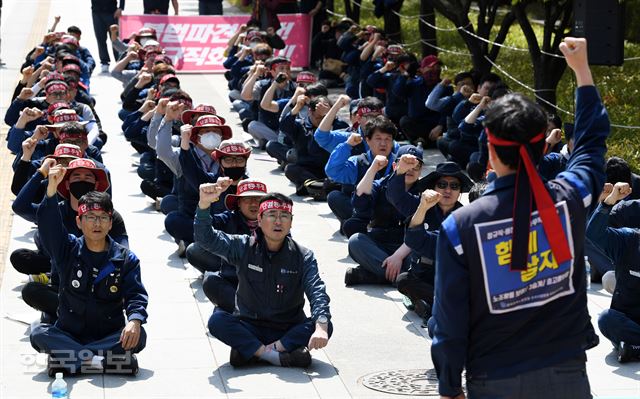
{"x":448,"y":169}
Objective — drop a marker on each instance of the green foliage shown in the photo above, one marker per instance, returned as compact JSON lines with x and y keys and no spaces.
{"x":618,"y":86}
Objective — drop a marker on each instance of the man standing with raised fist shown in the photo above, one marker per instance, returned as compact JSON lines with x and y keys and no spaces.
{"x":511,"y":304}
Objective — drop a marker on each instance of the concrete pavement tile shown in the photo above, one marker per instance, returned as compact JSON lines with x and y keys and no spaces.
{"x":265,"y":381}
{"x":177,"y":354}
{"x":191,"y":383}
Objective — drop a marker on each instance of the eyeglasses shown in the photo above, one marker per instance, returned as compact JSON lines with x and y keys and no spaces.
{"x":239,"y":161}
{"x":277,"y":215}
{"x":443,"y":184}
{"x":94,"y":219}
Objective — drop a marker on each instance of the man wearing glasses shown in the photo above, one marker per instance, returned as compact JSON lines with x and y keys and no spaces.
{"x":99,"y":282}
{"x":274,"y":274}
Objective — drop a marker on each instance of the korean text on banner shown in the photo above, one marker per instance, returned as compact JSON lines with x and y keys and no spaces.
{"x":197,"y":43}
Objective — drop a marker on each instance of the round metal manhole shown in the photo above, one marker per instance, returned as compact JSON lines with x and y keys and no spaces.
{"x":417,"y":382}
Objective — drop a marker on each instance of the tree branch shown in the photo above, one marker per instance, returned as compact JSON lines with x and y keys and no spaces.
{"x":502,"y":34}
{"x":527,"y":30}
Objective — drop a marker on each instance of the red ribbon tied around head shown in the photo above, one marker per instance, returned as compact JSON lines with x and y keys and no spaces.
{"x":84,"y":208}
{"x":275,"y":204}
{"x":546,"y":207}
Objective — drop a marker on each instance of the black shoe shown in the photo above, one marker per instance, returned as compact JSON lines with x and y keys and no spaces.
{"x":627,"y":352}
{"x":297,"y":358}
{"x":422,"y":308}
{"x":121,"y":364}
{"x":237,"y":360}
{"x":359,"y":275}
{"x":301,"y":191}
{"x":245,"y":124}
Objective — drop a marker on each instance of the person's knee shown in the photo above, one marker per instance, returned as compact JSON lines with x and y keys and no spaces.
{"x":606,"y":320}
{"x":18,"y":259}
{"x":218,"y":321}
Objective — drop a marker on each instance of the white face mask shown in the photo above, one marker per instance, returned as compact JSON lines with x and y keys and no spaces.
{"x":144,"y":40}
{"x":210,"y":141}
{"x":253,"y":45}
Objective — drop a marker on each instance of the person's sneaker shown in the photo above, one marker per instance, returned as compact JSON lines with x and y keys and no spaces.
{"x":628,"y":352}
{"x":359,"y":275}
{"x":157,"y":205}
{"x":296,"y":358}
{"x":41,"y":278}
{"x":104,"y":69}
{"x":121,"y":364}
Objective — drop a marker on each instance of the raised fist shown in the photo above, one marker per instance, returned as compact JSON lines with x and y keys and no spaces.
{"x":55,"y":176}
{"x":354,"y":139}
{"x":554,"y":137}
{"x":28,"y":147}
{"x":575,"y":52}
{"x":445,"y":82}
{"x":40,"y":133}
{"x":25,"y":94}
{"x":162,"y":106}
{"x":406,"y":162}
{"x":379,"y":162}
{"x":46,"y":165}
{"x":343,"y":101}
{"x":144,"y":78}
{"x":224,"y":183}
{"x":429,"y":198}
{"x":475,"y":98}
{"x":209,"y":193}
{"x":484,"y":103}
{"x":606,"y":190}
{"x":620,"y":191}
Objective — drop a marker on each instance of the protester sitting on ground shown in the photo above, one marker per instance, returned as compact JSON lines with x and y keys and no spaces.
{"x":513,"y":260}
{"x":310,"y":158}
{"x":376,"y":230}
{"x":427,"y":211}
{"x":99,"y":280}
{"x":348,"y":169}
{"x":619,"y":171}
{"x":268,"y":322}
{"x":82,"y":176}
{"x":621,"y":323}
{"x":241,"y":217}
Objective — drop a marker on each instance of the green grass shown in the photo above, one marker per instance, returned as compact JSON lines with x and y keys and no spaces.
{"x":618,"y":86}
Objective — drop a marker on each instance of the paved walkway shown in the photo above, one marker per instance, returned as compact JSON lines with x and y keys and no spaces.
{"x":373,"y":332}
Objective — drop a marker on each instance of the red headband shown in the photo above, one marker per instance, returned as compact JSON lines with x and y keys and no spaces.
{"x":65,"y":117}
{"x":366,"y":110}
{"x":84,"y":208}
{"x":56,"y":87}
{"x":275,"y":204}
{"x":546,"y":208}
{"x":64,"y":136}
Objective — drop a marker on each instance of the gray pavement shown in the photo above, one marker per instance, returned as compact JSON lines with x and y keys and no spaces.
{"x":373,"y":331}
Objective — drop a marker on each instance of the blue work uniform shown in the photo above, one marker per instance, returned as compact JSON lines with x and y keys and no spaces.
{"x":498,"y":323}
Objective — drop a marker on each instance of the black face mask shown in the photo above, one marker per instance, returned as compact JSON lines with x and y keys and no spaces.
{"x":80,"y":188}
{"x":235,"y":173}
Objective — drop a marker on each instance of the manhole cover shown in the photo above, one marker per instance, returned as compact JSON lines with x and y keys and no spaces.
{"x":421,"y":382}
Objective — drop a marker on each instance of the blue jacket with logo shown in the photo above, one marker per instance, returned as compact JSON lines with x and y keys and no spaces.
{"x":497,"y":323}
{"x":271,"y":286}
{"x":93,"y":298}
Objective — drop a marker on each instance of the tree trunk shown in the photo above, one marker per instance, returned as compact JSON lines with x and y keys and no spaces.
{"x":392,"y":23}
{"x":547,"y":74}
{"x":428,"y":34}
{"x":352,"y":10}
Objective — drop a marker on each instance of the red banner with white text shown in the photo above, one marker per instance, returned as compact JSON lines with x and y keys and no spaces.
{"x":197,"y":43}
